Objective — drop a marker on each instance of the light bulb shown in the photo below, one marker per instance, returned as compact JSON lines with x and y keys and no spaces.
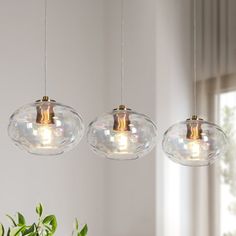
{"x":45,"y":133}
{"x":122,"y":141}
{"x":45,"y":119}
{"x":194,"y":135}
{"x":195,"y":149}
{"x":121,"y":127}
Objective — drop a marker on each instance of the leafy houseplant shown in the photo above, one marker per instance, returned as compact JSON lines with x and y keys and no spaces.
{"x":45,"y":226}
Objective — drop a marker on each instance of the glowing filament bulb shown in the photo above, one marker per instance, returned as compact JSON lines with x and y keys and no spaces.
{"x":46,"y":133}
{"x":194,"y":135}
{"x":195,"y":148}
{"x":45,"y":115}
{"x":122,"y":141}
{"x":122,"y":129}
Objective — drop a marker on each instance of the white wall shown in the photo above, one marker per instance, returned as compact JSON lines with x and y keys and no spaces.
{"x":174,"y":100}
{"x":73,"y":184}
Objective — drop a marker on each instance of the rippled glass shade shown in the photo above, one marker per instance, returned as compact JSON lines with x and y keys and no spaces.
{"x":46,"y":128}
{"x":122,"y":134}
{"x":194,"y":142}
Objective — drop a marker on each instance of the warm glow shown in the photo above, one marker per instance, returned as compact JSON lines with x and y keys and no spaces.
{"x":121,"y":138}
{"x":45,"y":132}
{"x":195,"y":148}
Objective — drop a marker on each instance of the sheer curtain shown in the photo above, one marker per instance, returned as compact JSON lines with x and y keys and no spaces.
{"x":216,"y":102}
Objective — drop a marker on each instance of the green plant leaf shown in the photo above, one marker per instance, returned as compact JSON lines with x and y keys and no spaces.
{"x":16,"y":230}
{"x":1,"y":230}
{"x":84,"y":231}
{"x":21,"y":219}
{"x":30,"y":230}
{"x":39,"y":209}
{"x":43,"y":227}
{"x":12,"y":220}
{"x":32,"y":234}
{"x":8,"y":232}
{"x":48,"y":228}
{"x":51,"y":221}
{"x":76,"y":224}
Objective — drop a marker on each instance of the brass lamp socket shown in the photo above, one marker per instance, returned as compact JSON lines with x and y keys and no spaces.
{"x":194,"y":130}
{"x":121,"y":119}
{"x":45,"y":113}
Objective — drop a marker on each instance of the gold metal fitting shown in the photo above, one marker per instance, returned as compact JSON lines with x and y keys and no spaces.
{"x":121,"y":119}
{"x":194,"y":117}
{"x":45,"y":113}
{"x":45,"y":99}
{"x":194,"y":130}
{"x":122,"y":108}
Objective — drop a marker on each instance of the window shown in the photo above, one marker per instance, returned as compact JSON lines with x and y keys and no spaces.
{"x":227,"y":111}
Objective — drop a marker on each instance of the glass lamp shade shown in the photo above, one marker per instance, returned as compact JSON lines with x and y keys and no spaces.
{"x":194,"y":142}
{"x":46,"y":127}
{"x":122,"y":134}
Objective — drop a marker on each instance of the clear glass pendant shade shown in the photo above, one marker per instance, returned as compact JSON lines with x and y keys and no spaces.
{"x":122,"y":134}
{"x":46,"y":127}
{"x":194,"y":142}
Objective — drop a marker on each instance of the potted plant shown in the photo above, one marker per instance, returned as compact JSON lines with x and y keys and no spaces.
{"x":44,"y":226}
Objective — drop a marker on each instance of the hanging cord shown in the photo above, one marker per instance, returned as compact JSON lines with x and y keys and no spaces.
{"x":122,"y":53}
{"x":45,"y":47}
{"x":195,"y":56}
{"x":218,"y":72}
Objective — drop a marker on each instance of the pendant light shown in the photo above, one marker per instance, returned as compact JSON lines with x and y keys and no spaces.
{"x":45,"y":127}
{"x":194,"y":142}
{"x":122,"y":134}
